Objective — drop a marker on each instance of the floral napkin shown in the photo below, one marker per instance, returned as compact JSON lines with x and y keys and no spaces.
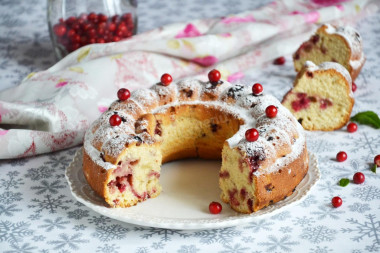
{"x":51,"y":110}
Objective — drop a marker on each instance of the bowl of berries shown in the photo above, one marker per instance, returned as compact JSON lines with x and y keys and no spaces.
{"x":77,"y":23}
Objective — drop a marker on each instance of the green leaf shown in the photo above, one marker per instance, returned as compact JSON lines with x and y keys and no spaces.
{"x":344,"y":182}
{"x":369,"y":118}
{"x":373,"y":168}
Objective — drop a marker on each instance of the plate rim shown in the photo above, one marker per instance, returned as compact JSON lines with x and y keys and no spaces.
{"x":307,"y":183}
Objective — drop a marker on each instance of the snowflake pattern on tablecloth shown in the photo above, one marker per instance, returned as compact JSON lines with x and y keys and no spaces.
{"x":14,"y":232}
{"x":106,"y":233}
{"x":72,"y":241}
{"x":318,"y":234}
{"x":38,"y":213}
{"x":370,"y":229}
{"x":165,"y":234}
{"x":283,"y":243}
{"x":223,"y":235}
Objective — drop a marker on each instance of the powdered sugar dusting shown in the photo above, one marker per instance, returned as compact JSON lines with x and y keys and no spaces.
{"x":242,"y":104}
{"x":297,"y":148}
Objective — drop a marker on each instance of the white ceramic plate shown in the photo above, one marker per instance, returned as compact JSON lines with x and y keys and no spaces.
{"x":188,"y":188}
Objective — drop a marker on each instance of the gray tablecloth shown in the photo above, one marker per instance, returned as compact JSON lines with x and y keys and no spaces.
{"x":38,"y":213}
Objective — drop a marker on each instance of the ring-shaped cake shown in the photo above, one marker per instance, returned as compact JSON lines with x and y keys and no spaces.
{"x":191,"y":118}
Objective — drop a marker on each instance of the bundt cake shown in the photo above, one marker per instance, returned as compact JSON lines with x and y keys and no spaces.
{"x":263,"y":151}
{"x":341,"y":44}
{"x":321,"y":98}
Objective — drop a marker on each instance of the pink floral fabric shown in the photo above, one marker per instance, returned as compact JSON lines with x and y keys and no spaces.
{"x":51,"y":110}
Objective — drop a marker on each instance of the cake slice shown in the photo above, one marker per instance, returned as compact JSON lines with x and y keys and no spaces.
{"x":332,"y":44}
{"x":321,"y":98}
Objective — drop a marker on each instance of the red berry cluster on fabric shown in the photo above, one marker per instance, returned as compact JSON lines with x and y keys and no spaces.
{"x":75,"y":32}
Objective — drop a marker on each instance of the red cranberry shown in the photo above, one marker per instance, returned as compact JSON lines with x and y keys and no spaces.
{"x":279,"y":61}
{"x":59,"y":30}
{"x":115,"y":120}
{"x":127,"y":17}
{"x":341,"y":156}
{"x":75,"y":38}
{"x":271,"y":111}
{"x":111,"y":27}
{"x":115,"y":18}
{"x":377,"y":160}
{"x":100,"y":31}
{"x":358,"y":178}
{"x":116,"y":38}
{"x":354,"y":87}
{"x":252,"y":135}
{"x":166,"y":79}
{"x":215,"y":207}
{"x":100,"y":40}
{"x":257,"y":89}
{"x":122,"y":29}
{"x":92,"y":17}
{"x":102,"y":17}
{"x":123,"y":94}
{"x":91,"y":33}
{"x":214,"y":76}
{"x":336,"y":202}
{"x":91,"y":40}
{"x":71,"y":21}
{"x":352,"y":127}
{"x":74,"y":46}
{"x":70,"y":33}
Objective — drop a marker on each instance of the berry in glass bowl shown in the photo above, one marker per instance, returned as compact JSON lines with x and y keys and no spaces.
{"x":74,"y":24}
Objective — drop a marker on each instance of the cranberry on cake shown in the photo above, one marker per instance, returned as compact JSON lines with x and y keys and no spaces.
{"x":321,"y":98}
{"x":261,"y":145}
{"x":341,"y":44}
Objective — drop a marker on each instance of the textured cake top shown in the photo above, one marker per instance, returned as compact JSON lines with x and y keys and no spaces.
{"x":352,"y":38}
{"x":103,"y":141}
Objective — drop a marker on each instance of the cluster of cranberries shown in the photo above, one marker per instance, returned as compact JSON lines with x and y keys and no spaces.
{"x":358,"y":177}
{"x":252,"y":134}
{"x":75,"y":32}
